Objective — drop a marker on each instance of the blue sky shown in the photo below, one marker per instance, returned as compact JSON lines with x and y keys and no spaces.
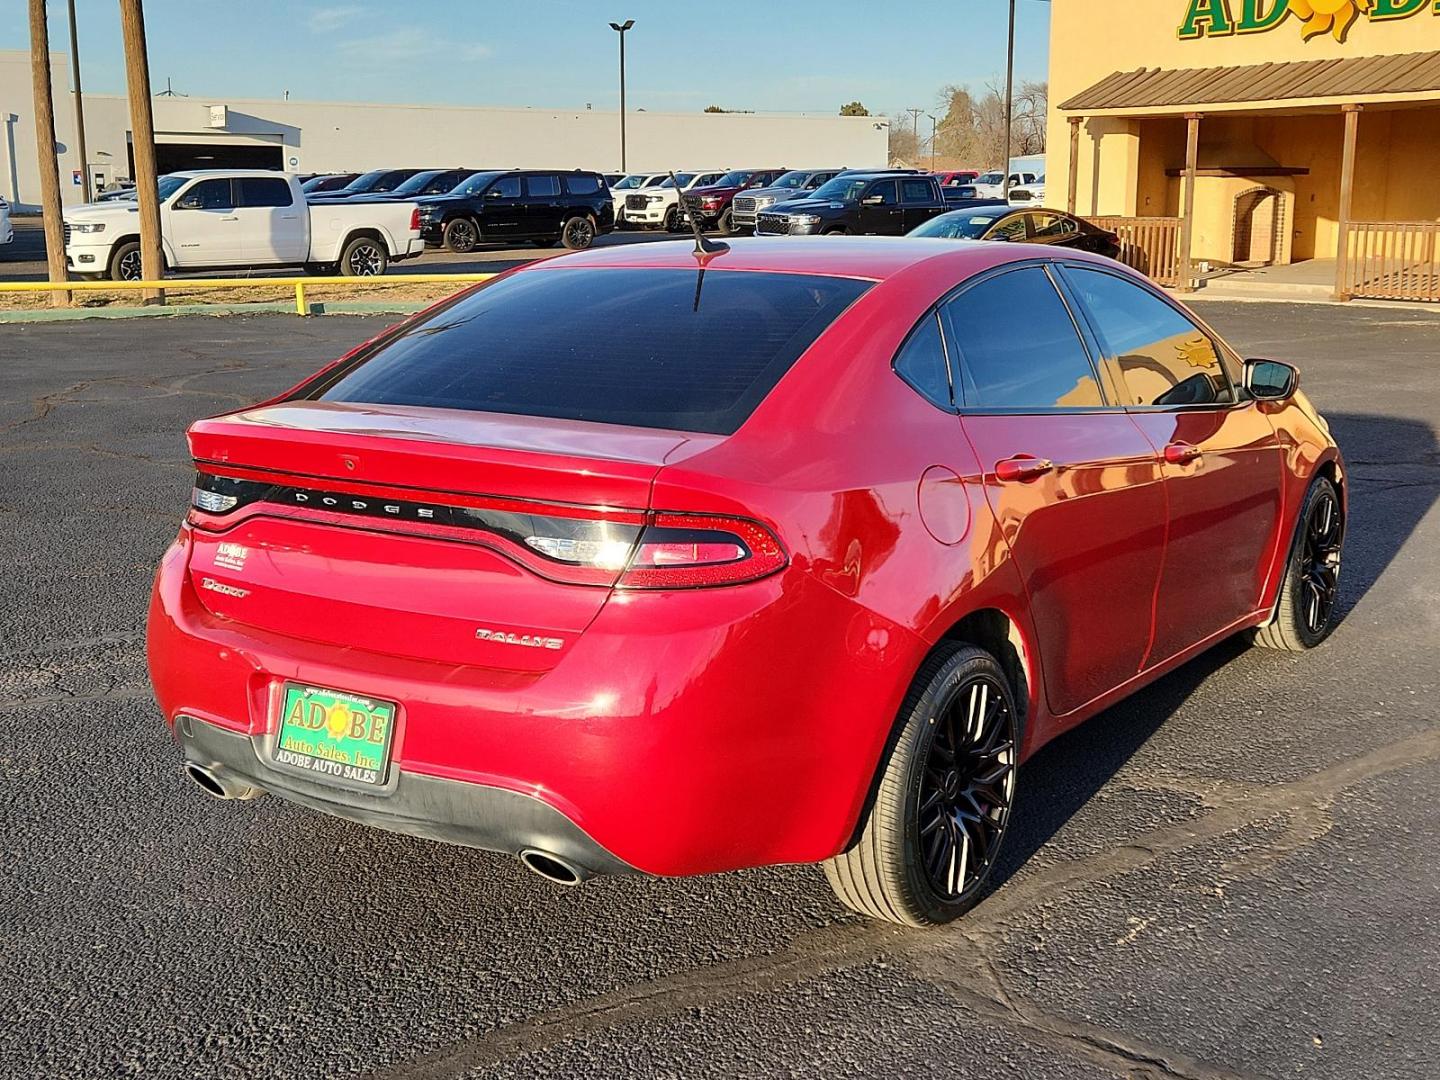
{"x":681,"y":55}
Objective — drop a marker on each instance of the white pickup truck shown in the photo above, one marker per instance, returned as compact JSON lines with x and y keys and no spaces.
{"x":243,"y":218}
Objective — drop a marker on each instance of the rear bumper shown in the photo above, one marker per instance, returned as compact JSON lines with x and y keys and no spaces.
{"x":681,"y":734}
{"x":450,"y":811}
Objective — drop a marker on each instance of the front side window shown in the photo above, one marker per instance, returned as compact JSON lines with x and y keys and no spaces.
{"x":582,"y":183}
{"x":1017,"y":346}
{"x":1160,"y":358}
{"x":886,"y":190}
{"x":542,"y":186}
{"x":917,"y":191}
{"x":258,"y":191}
{"x":209,"y":195}
{"x":1012,"y":228}
{"x":646,"y":347}
{"x":507,"y":187}
{"x":1052,"y":225}
{"x":921,"y":363}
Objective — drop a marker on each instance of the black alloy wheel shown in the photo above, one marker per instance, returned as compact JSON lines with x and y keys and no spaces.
{"x":461,"y":236}
{"x":966,"y":787}
{"x":578,"y":233}
{"x":930,"y":839}
{"x":1320,"y":562}
{"x":1305,"y":610}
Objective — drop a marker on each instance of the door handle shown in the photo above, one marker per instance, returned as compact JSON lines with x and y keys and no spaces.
{"x":1022,"y":467}
{"x":232,"y":217}
{"x":1181,"y":453}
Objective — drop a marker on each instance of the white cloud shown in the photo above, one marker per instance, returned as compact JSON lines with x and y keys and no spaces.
{"x":328,"y":19}
{"x":402,"y":46}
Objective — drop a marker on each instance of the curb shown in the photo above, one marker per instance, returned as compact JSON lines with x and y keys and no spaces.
{"x":345,"y":307}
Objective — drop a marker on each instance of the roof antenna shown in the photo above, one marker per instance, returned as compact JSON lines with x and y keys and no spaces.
{"x":704,"y":249}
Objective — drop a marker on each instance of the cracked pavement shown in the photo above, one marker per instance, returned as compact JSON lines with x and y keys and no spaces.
{"x":1231,"y":874}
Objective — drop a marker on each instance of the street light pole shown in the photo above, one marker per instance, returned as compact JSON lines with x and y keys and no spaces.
{"x":1009,"y":104}
{"x":933,"y":124}
{"x":79,"y":106}
{"x":45,"y":150}
{"x":620,"y":29}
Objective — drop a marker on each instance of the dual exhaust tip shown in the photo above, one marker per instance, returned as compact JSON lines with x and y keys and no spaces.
{"x":219,"y":784}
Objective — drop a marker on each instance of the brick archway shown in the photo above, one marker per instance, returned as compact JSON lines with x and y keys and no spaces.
{"x":1258,"y":229}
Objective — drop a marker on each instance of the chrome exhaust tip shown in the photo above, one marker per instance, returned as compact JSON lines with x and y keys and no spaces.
{"x":215,"y":783}
{"x":553,"y":868}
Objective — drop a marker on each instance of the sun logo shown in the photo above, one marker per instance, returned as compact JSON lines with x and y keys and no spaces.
{"x":338,"y":722}
{"x":1328,"y":16}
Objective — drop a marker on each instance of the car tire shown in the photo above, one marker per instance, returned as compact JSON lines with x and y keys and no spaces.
{"x":726,"y":224}
{"x":578,"y":233}
{"x":672,"y":220}
{"x":837,"y":230}
{"x":364,"y":256}
{"x":461,"y":236}
{"x":945,"y":792}
{"x":125,"y":262}
{"x":1305,"y":610}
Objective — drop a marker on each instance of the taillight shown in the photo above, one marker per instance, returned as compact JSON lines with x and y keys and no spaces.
{"x":576,"y":545}
{"x":415,"y":219}
{"x":687,"y":551}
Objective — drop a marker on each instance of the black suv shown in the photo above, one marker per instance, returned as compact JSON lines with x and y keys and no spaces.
{"x":375,"y":182}
{"x":880,"y":203}
{"x":542,"y":206}
{"x":795,"y":184}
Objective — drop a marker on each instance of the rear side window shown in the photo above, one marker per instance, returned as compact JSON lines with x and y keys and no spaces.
{"x":644,"y":347}
{"x":921,"y":363}
{"x":582,"y":184}
{"x":542,"y":185}
{"x":1018,"y":347}
{"x":258,"y":191}
{"x":1160,"y":357}
{"x":916,"y":191}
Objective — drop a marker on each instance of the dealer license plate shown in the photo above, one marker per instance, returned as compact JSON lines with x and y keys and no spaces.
{"x":335,"y":735}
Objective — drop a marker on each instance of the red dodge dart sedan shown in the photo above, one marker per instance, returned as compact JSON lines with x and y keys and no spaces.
{"x":654,"y":560}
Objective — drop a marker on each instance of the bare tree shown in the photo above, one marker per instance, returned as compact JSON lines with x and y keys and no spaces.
{"x":972,"y":129}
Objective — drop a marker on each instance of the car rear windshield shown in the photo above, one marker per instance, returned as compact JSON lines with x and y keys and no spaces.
{"x":658,"y":348}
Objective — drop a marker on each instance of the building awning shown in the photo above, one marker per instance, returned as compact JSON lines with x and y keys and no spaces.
{"x":1349,"y":79}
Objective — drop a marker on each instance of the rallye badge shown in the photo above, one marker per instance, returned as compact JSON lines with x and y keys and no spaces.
{"x":533,"y":641}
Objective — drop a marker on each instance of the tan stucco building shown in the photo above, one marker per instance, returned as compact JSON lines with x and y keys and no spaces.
{"x":1263,"y":88}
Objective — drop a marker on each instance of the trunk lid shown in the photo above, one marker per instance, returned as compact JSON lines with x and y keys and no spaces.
{"x":429,"y":533}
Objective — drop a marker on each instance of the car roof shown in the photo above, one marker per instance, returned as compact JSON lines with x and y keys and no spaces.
{"x":195,"y":174}
{"x":873,"y":258}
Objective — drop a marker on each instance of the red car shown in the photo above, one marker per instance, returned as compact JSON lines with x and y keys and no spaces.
{"x":956,"y":177}
{"x":644,"y":560}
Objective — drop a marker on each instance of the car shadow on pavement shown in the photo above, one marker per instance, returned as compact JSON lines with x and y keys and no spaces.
{"x":1393,"y":474}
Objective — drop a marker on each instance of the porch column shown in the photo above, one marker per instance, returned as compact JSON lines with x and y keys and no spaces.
{"x":1187,"y":202}
{"x":1347,"y":202}
{"x":1075,"y":122}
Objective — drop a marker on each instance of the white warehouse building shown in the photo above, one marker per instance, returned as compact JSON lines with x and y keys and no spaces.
{"x":311,"y":137}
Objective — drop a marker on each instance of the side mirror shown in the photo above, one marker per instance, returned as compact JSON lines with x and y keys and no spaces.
{"x":1271,"y":380}
{"x":188,"y":202}
{"x":873,"y":200}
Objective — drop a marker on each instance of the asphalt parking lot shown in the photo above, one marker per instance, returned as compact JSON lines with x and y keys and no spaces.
{"x":1232,"y":874}
{"x":24,"y":258}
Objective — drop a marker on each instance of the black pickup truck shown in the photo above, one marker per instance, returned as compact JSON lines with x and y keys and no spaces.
{"x":541,"y":206}
{"x":877,"y":203}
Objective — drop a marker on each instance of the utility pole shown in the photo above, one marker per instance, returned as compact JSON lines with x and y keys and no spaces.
{"x":1009,"y":105}
{"x":45,"y":150}
{"x":620,"y":29}
{"x":142,"y":141}
{"x":915,"y":121}
{"x":79,"y":106}
{"x":933,"y":125}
